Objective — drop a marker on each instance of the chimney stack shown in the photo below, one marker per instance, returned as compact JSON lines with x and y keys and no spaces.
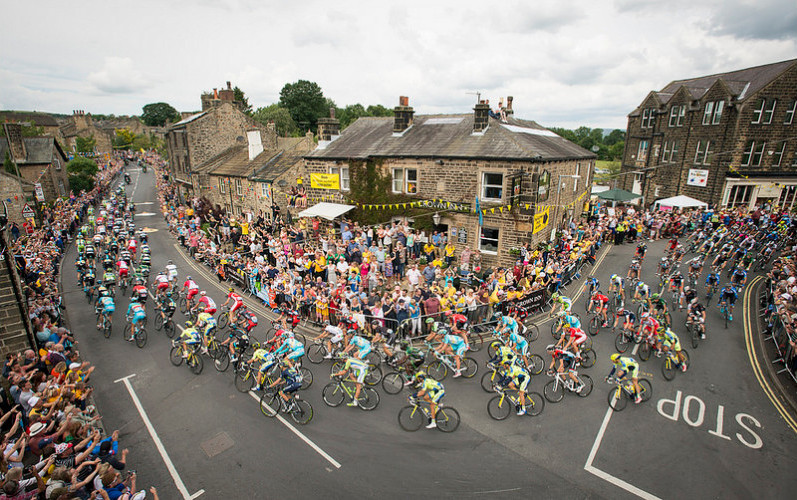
{"x":328,"y":127}
{"x":509,"y":111}
{"x":15,"y":141}
{"x":215,"y":93}
{"x":229,"y":87}
{"x":481,"y":116}
{"x":403,"y":113}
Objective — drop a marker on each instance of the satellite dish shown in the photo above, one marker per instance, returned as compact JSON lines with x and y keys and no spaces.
{"x":595,"y":148}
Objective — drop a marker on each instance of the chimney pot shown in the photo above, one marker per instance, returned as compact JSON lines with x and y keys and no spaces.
{"x":215,"y":93}
{"x":402,"y":115}
{"x":332,"y":112}
{"x":404,"y":101}
{"x":229,"y":87}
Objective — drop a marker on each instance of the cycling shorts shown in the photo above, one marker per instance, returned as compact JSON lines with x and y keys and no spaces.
{"x":459,"y":349}
{"x":210,"y":310}
{"x":359,"y":374}
{"x":522,"y":384}
{"x":123,"y":272}
{"x":163,"y":285}
{"x":236,"y":305}
{"x":109,"y":309}
{"x":675,"y":344}
{"x":730,"y":299}
{"x":579,"y":339}
{"x":436,"y":396}
{"x":337,"y":338}
{"x":139,"y":317}
{"x":266,"y":366}
{"x":362,"y":353}
{"x":192,"y":292}
{"x":292,"y":387}
{"x":296,"y":354}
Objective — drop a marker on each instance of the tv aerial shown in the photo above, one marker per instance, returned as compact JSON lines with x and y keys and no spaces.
{"x":477,"y":94}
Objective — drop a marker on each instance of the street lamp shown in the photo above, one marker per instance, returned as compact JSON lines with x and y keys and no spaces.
{"x":436,"y":219}
{"x":558,"y":197}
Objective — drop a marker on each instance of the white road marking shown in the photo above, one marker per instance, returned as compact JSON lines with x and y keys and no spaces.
{"x":144,"y":202}
{"x":145,"y":214}
{"x":605,"y":475}
{"x":158,"y":443}
{"x":301,"y":436}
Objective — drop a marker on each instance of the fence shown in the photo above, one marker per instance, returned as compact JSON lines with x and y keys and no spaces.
{"x":777,"y":331}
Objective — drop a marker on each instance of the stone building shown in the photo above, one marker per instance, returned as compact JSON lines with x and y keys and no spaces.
{"x":15,"y":329}
{"x":15,"y":192}
{"x":515,"y":167}
{"x":80,"y":124}
{"x":726,"y":139}
{"x":37,"y":159}
{"x":32,"y":118}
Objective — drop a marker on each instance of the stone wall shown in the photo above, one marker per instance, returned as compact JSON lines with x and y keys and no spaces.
{"x":13,"y":333}
{"x":11,"y":191}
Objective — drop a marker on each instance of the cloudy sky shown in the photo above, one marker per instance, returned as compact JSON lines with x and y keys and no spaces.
{"x":567,"y":63}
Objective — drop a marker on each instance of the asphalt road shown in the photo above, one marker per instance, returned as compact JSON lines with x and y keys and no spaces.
{"x":711,"y":432}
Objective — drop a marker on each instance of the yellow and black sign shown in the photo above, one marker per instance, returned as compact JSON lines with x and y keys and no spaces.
{"x":325,"y":181}
{"x":541,"y":219}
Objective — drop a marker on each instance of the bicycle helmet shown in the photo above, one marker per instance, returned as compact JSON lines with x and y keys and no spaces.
{"x":614,"y":357}
{"x":420,"y":375}
{"x":614,"y":277}
{"x":619,"y":309}
{"x":188,"y":324}
{"x":664,"y":259}
{"x":170,"y":262}
{"x":641,"y":284}
{"x":326,"y":322}
{"x":169,"y":293}
{"x":499,"y":315}
{"x":429,"y":321}
{"x":99,"y":282}
{"x":203,"y":293}
{"x":656,"y":296}
{"x":188,"y":278}
{"x":389,"y":332}
{"x":351,"y":331}
{"x":231,"y":289}
{"x":550,"y":347}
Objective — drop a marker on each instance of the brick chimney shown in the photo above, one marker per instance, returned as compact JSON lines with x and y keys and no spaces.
{"x":271,"y":135}
{"x":15,"y":141}
{"x":481,"y":117}
{"x":403,"y":114}
{"x":227,"y":94}
{"x":509,"y":111}
{"x":328,"y":127}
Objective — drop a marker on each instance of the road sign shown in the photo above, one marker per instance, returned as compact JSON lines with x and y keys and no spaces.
{"x":28,"y":212}
{"x":39,"y":191}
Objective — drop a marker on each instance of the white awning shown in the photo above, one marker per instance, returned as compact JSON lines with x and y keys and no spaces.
{"x":328,"y":211}
{"x":680,"y":201}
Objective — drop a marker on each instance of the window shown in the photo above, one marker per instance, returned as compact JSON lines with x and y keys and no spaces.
{"x":674,"y":155}
{"x":787,"y":196}
{"x":642,"y":151}
{"x":666,"y":152}
{"x":790,"y":114}
{"x":222,"y":188}
{"x":239,"y":190}
{"x":703,"y":153}
{"x":758,"y":112}
{"x":57,"y":163}
{"x":492,"y":186}
{"x":777,"y":155}
{"x":712,"y":113}
{"x":488,"y":241}
{"x":718,"y":107}
{"x":648,"y":117}
{"x":753,"y":153}
{"x":343,"y":173}
{"x":61,"y":188}
{"x":707,"y":112}
{"x":677,"y":114}
{"x":656,"y":190}
{"x":739,"y":196}
{"x":263,"y":189}
{"x":543,"y":186}
{"x":575,"y":180}
{"x":769,"y":112}
{"x":758,"y":153}
{"x":405,"y":180}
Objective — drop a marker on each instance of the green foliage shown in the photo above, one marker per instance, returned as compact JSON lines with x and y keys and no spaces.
{"x":158,"y":114}
{"x":8,"y":165}
{"x":281,"y":117}
{"x":123,"y":138}
{"x":239,"y":95}
{"x":32,"y":131}
{"x":141,"y":141}
{"x":81,"y":174}
{"x":85,"y":144}
{"x":370,"y":185}
{"x":80,"y":182}
{"x":609,"y":170}
{"x":305,"y":102}
{"x":350,"y":113}
{"x":608,"y":148}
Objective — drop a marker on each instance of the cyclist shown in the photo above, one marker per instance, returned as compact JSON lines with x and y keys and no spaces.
{"x":567,"y":361}
{"x":162,"y":283}
{"x":356,"y":369}
{"x":88,"y":278}
{"x":167,"y":307}
{"x":664,"y":266}
{"x":237,"y":303}
{"x":110,"y":280}
{"x":515,"y":377}
{"x":601,"y":303}
{"x":189,"y":337}
{"x":641,"y":249}
{"x":193,"y":289}
{"x":206,"y":303}
{"x":648,"y":326}
{"x":171,"y":271}
{"x":292,"y":377}
{"x":136,"y":313}
{"x":728,"y":298}
{"x":629,"y":318}
{"x":454,"y":345}
{"x":107,"y":309}
{"x":634,"y":271}
{"x":669,"y":340}
{"x":677,"y":285}
{"x":208,"y":322}
{"x":409,"y":358}
{"x":503,"y":355}
{"x":592,"y":284}
{"x":123,"y":268}
{"x":712,"y":283}
{"x":696,"y":314}
{"x":626,"y":366}
{"x":739,"y":277}
{"x":432,"y":392}
{"x":575,"y":339}
{"x":336,"y":336}
{"x":140,"y":292}
{"x":362,"y":344}
{"x":267,"y":360}
{"x":107,"y":261}
{"x":642,"y":293}
{"x":658,"y":304}
{"x":520,"y":345}
{"x":695,"y":266}
{"x":292,"y":349}
{"x":617,"y":285}
{"x":506,"y":324}
{"x":566,"y":303}
{"x":251,"y":319}
{"x":90,"y":254}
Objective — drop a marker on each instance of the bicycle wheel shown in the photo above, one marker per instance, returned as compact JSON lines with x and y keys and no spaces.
{"x":302,"y":411}
{"x":668,"y":369}
{"x":475,"y":341}
{"x":532,"y":333}
{"x":106,"y":329}
{"x":196,"y":364}
{"x":645,"y":350}
{"x":554,"y":328}
{"x":588,"y":358}
{"x":489,"y":379}
{"x":588,"y":385}
{"x":686,"y":357}
{"x":493,"y":347}
{"x":373,"y":358}
{"x":469,"y":367}
{"x":393,"y":383}
{"x":183,"y":305}
{"x":499,"y":407}
{"x":438,"y":370}
{"x":301,"y":338}
{"x":176,"y":355}
{"x":169,"y":328}
{"x":316,"y":353}
{"x":536,"y":364}
{"x":222,"y":360}
{"x":646,"y":389}
{"x":374,"y":375}
{"x":622,"y":342}
{"x":535,"y":403}
{"x":594,"y":325}
{"x":333,"y":394}
{"x":158,"y":322}
{"x":244,"y":380}
{"x":447,"y":419}
{"x":694,"y":330}
{"x":369,"y":398}
{"x":307,"y":377}
{"x":618,"y":399}
{"x":141,"y":337}
{"x":410,"y":418}
{"x":223,"y":321}
{"x":640,"y":309}
{"x":554,"y":391}
{"x":270,"y":404}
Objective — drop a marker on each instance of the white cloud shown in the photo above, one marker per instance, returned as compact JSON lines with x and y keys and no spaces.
{"x":118,"y":75}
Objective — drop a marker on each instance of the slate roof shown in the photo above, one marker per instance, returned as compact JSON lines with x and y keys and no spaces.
{"x":39,"y":150}
{"x":190,"y":119}
{"x":267,"y":166}
{"x":38,"y":119}
{"x":450,"y":136}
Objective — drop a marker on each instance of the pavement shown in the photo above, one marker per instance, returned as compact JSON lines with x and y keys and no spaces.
{"x":711,"y":432}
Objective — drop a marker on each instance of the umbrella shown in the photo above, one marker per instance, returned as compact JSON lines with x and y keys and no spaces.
{"x":618,"y":195}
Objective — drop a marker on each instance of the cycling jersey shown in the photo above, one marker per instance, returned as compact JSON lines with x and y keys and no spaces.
{"x":518,"y":376}
{"x":628,"y":365}
{"x":601,"y":298}
{"x":209,"y":304}
{"x":107,"y":305}
{"x":358,"y":368}
{"x":191,"y":285}
{"x":520,"y":342}
{"x":712,"y":279}
{"x":433,"y":388}
{"x":509,"y":323}
{"x":136,"y":312}
{"x":572,"y":321}
{"x":190,"y":336}
{"x":456,"y":342}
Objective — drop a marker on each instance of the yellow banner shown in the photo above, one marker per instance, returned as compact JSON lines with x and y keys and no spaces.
{"x":541,"y":219}
{"x":325,"y":181}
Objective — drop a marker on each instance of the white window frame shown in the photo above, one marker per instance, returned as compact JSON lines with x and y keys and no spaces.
{"x":758,"y":113}
{"x":343,"y":176}
{"x":703,"y":155}
{"x":497,"y":239}
{"x":398,"y":180}
{"x":577,"y":177}
{"x":790,"y":113}
{"x":674,"y":116}
{"x":758,"y":153}
{"x":665,"y":152}
{"x":222,"y":187}
{"x":408,"y":181}
{"x":769,"y":113}
{"x":718,"y":107}
{"x":642,"y":150}
{"x":708,"y":112}
{"x":263,"y":189}
{"x":739,"y":192}
{"x":485,"y":186}
{"x":57,"y":163}
{"x":656,"y":190}
{"x":648,"y":117}
{"x":777,"y":156}
{"x":674,"y":152}
{"x":239,"y":188}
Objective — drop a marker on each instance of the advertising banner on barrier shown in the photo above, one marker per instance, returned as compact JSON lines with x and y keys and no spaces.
{"x":533,"y":301}
{"x":236,"y":276}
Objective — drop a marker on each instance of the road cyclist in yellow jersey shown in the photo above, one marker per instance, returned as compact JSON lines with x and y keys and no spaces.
{"x":431,"y":391}
{"x":267,"y":360}
{"x":626,"y":367}
{"x":356,"y":369}
{"x":513,"y":376}
{"x":668,"y":340}
{"x":207,"y":323}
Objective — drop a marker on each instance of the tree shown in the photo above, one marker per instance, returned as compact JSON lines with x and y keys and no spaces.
{"x":81,"y":174}
{"x":8,"y":165}
{"x":85,"y":144}
{"x":305,"y":102}
{"x":614,"y":137}
{"x":141,"y":141}
{"x":159,"y":114}
{"x":350,"y":113}
{"x":280,"y":116}
{"x":123,"y":138}
{"x":241,"y":97}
